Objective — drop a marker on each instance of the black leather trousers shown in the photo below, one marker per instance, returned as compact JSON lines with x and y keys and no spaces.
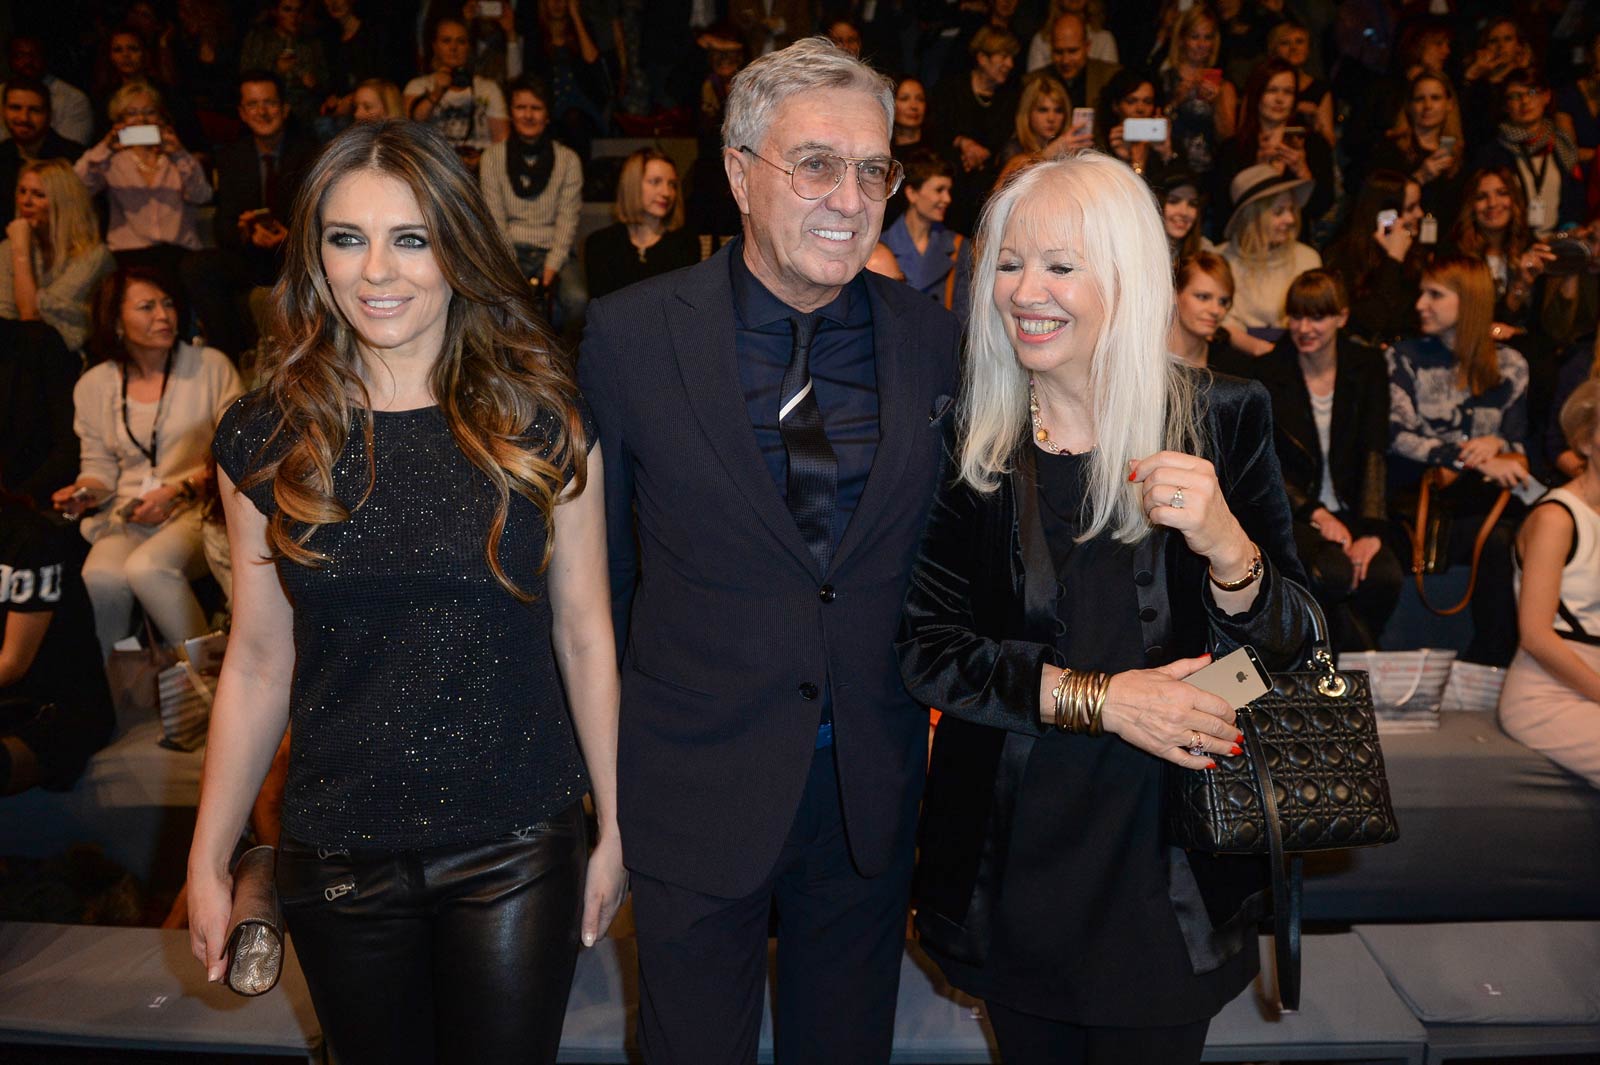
{"x":447,"y":955}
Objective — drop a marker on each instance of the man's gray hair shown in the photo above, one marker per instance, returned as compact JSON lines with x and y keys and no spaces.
{"x":806,"y":65}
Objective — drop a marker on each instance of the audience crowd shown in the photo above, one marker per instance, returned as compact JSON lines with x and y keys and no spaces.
{"x":1388,"y":216}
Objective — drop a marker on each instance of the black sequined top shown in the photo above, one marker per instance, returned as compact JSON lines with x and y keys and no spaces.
{"x":425,"y":707}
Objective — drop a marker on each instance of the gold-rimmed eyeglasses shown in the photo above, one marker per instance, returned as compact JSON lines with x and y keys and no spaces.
{"x":818,"y":174}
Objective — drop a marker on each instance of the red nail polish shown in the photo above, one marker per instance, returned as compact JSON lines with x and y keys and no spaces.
{"x":1133,"y":475}
{"x":1235,"y":751}
{"x":1211,"y":765}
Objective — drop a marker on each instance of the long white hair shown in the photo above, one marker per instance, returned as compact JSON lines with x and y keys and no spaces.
{"x":1141,"y":400}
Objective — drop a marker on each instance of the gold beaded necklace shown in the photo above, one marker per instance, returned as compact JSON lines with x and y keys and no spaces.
{"x":1041,"y":435}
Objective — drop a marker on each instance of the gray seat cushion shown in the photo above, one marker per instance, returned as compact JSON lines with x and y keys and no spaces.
{"x":1509,"y":972}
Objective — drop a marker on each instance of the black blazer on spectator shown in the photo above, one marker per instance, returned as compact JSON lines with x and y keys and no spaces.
{"x":239,"y":187}
{"x":1357,"y":440}
{"x":728,"y":632}
{"x":55,"y":146}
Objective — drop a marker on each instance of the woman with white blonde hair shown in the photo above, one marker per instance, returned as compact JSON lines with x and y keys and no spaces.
{"x":1111,"y":516}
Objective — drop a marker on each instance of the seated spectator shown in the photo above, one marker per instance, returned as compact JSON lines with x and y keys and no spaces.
{"x":1551,"y":699}
{"x":144,"y":417}
{"x":1263,"y":251}
{"x":1458,"y":403}
{"x":1580,"y":362}
{"x":375,"y":100}
{"x":52,"y":258}
{"x":1041,"y":125}
{"x":1102,"y":45}
{"x":38,"y":449}
{"x":1423,"y":48}
{"x":124,"y":59}
{"x":1532,"y":147}
{"x":360,"y":52}
{"x":1202,"y":105}
{"x":534,"y":188}
{"x":1071,"y":63}
{"x":280,"y":44}
{"x":648,"y":237}
{"x":496,"y":45}
{"x":1426,"y":144}
{"x":1131,"y":94}
{"x":935,"y":260}
{"x":1182,"y":204}
{"x":203,"y":51}
{"x":1330,"y":407}
{"x":55,"y":708}
{"x":910,"y":110}
{"x":1374,"y":258}
{"x":467,"y":109}
{"x":1501,"y":49}
{"x":71,"y":116}
{"x":258,"y":177}
{"x":1577,"y":110}
{"x":970,"y":115}
{"x":1313,"y":97}
{"x":1204,"y":287}
{"x":1493,"y":225}
{"x":1268,"y":134}
{"x":709,"y":203}
{"x":845,"y":34}
{"x":26,"y":104}
{"x":1244,"y":27}
{"x":153,"y":189}
{"x":770,"y":25}
{"x":561,"y":46}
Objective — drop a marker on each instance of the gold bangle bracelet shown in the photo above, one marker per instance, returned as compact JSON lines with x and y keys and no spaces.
{"x":1058,"y":693}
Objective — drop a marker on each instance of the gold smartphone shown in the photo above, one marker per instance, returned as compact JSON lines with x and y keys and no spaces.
{"x":1238,"y":677}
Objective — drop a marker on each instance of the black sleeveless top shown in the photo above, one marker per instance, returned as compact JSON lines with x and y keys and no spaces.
{"x":425,"y":706}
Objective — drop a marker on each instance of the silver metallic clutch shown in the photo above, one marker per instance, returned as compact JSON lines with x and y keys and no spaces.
{"x":255,"y":927}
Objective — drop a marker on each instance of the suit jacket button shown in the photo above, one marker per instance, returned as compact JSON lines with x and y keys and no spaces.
{"x":808,"y":690}
{"x":1144,"y":578}
{"x":1147,"y":614}
{"x":827,"y":594}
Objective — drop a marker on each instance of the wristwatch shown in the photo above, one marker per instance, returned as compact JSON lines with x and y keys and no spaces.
{"x":1251,"y":575}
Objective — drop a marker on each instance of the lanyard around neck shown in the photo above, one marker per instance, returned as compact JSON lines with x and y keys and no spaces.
{"x":153,"y":450}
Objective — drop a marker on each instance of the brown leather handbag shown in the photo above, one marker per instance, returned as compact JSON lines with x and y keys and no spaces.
{"x":1430,"y":535}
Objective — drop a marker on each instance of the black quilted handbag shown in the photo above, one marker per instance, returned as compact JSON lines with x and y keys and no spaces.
{"x":1310,"y":779}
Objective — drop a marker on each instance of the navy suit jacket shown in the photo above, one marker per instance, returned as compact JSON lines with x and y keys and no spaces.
{"x":728,"y":632}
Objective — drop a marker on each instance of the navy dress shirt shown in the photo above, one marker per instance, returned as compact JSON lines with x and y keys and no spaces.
{"x":844,"y":377}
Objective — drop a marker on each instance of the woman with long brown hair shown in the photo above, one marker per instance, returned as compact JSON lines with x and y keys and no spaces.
{"x":418,"y":469}
{"x":1493,"y":226}
{"x":1458,"y":402}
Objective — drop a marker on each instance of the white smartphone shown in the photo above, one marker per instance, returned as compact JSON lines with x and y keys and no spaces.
{"x":490,"y":8}
{"x":1144,"y":129}
{"x":1083,"y":121}
{"x":1387,"y":220}
{"x":139,"y":136}
{"x":1238,"y":677}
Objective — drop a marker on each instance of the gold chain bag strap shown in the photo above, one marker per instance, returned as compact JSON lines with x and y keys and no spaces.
{"x":254,"y":954}
{"x":1311,"y":778}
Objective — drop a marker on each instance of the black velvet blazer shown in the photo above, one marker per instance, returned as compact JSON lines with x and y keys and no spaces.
{"x":979,"y":627}
{"x":1357,"y":441}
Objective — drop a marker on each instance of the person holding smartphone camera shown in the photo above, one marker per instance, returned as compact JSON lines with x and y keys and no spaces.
{"x":1379,"y":259}
{"x":152,"y":183}
{"x":1129,"y":125}
{"x":1426,"y":143}
{"x":1268,"y":134}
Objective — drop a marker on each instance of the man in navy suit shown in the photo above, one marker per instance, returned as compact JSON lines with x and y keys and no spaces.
{"x":772,"y":424}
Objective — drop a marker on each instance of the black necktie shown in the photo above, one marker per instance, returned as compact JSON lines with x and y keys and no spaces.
{"x":813,"y":470}
{"x":269,"y":176}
